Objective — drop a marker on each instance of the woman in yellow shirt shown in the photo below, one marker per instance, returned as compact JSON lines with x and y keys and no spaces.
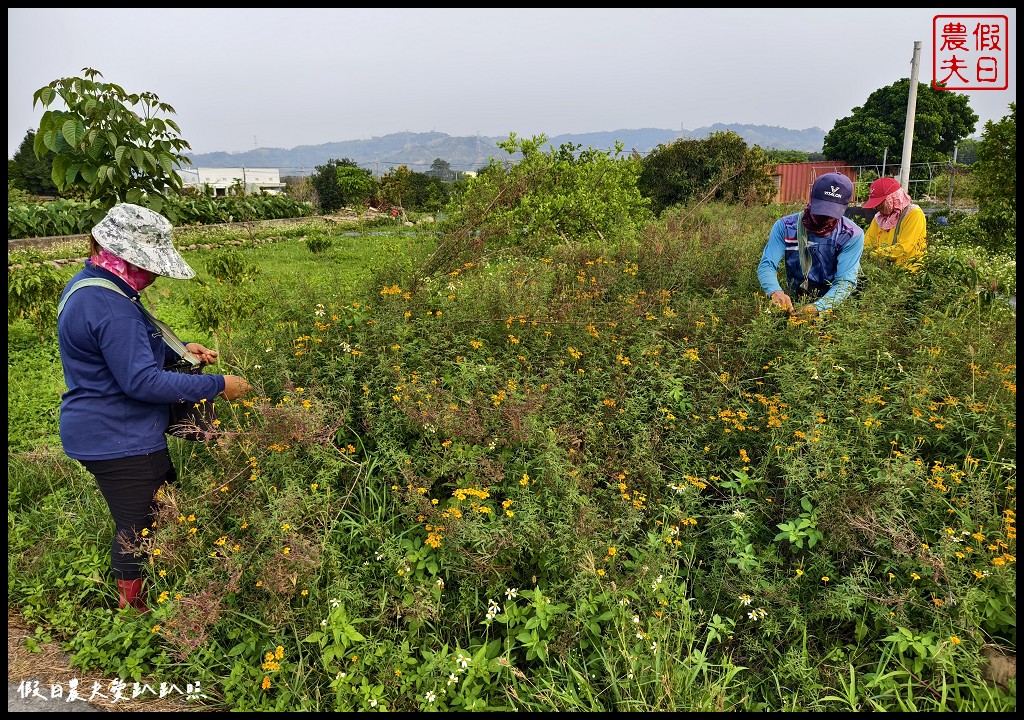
{"x":897,"y":231}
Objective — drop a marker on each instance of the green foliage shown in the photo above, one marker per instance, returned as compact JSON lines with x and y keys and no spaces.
{"x":318,"y":243}
{"x":394,"y":186}
{"x":413,"y":191}
{"x":996,"y":183}
{"x":441,"y":170}
{"x":72,"y":217}
{"x":720,"y":167}
{"x":34,"y":285}
{"x":356,"y":185}
{"x":566,"y":196}
{"x":30,"y":173}
{"x":426,"y":193}
{"x":774,"y":156}
{"x":325,"y":179}
{"x":104,"y":147}
{"x":232,"y":267}
{"x":941,"y":120}
{"x":231,"y":297}
{"x":595,"y":475}
{"x":953,"y":187}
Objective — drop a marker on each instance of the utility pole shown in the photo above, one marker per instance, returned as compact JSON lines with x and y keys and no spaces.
{"x":908,"y":130}
{"x":952,"y":174}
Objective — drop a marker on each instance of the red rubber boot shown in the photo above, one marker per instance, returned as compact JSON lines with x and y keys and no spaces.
{"x":130,"y":594}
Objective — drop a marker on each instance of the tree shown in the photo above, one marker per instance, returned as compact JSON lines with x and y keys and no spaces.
{"x":719,"y":167}
{"x":106,"y":149}
{"x":776,"y":156}
{"x":566,"y":196}
{"x":325,"y":181}
{"x":941,"y":120}
{"x":356,"y":184}
{"x":428,"y":193}
{"x":996,"y":183}
{"x":395,"y":186}
{"x":441,"y":170}
{"x":30,"y":173}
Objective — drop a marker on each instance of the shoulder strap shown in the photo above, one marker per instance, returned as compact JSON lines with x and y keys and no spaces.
{"x":169,"y":338}
{"x":899,"y":221}
{"x":805,"y":255}
{"x":87,"y":282}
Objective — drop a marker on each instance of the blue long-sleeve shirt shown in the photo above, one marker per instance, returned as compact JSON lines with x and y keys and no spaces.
{"x":835,"y":259}
{"x":119,"y":394}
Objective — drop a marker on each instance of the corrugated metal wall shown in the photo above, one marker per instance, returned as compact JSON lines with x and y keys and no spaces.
{"x":793,"y":180}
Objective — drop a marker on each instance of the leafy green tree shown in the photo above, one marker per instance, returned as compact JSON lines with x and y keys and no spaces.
{"x":105,"y":148}
{"x":30,"y":173}
{"x":996,"y":183}
{"x":941,"y":120}
{"x":719,"y":167}
{"x":394,"y":186}
{"x":967,"y":151}
{"x":329,"y":192}
{"x":441,"y":170}
{"x":428,"y":193}
{"x":543,"y":200}
{"x":786,"y":156}
{"x":356,"y":184}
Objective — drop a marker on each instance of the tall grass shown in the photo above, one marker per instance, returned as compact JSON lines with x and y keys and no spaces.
{"x":611,"y":477}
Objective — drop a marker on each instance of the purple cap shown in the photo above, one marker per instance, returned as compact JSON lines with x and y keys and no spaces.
{"x":831,"y":195}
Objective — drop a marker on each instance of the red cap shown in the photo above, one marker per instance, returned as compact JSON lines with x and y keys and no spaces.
{"x":880,"y":190}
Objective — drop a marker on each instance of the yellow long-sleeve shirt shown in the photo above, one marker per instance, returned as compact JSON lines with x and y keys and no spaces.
{"x":909,"y":246}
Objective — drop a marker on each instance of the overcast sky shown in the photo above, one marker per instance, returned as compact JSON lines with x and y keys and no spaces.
{"x":245,"y":78}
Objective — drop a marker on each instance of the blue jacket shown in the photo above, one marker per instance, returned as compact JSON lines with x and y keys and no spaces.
{"x":835,"y":260}
{"x":118,"y":396}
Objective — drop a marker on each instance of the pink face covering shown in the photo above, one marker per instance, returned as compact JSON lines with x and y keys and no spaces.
{"x":889,"y":210}
{"x":131,"y":274}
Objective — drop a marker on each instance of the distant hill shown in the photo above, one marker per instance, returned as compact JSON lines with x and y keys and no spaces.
{"x":417,"y":151}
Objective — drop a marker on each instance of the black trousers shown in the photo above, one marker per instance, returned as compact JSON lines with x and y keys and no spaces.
{"x":129,"y":486}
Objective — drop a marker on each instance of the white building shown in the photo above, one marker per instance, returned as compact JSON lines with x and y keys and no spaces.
{"x":221,"y":180}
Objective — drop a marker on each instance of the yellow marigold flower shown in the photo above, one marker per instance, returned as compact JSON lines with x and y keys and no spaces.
{"x":305,"y":593}
{"x":265,"y":685}
{"x":156,"y":551}
{"x":799,"y":572}
{"x":954,"y":639}
{"x":611,"y":551}
{"x":279,"y":652}
{"x":156,"y":628}
{"x":825,"y":578}
{"x":600,"y":571}
{"x":915,"y":576}
{"x":286,"y":550}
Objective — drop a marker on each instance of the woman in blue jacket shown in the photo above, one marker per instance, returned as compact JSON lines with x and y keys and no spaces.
{"x":114,"y":415}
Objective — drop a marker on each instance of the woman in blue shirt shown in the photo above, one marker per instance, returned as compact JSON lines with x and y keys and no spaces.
{"x":114,"y":415}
